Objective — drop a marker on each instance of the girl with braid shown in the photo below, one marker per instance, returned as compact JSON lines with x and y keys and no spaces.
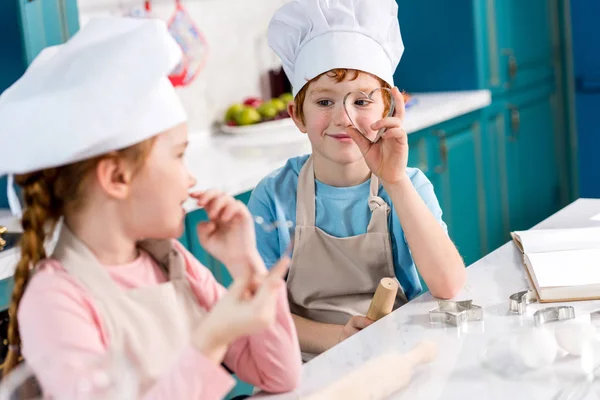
{"x":95,"y":136}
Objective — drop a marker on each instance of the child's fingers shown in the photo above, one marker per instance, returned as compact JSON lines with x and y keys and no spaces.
{"x":203,"y":198}
{"x":236,"y":208}
{"x":397,"y":133}
{"x":265,"y":300}
{"x":400,"y":109}
{"x":359,"y":322}
{"x":197,"y":193}
{"x":387,"y":123}
{"x":279,"y":270}
{"x":216,"y":206}
{"x":205,"y":230}
{"x":362,"y":142}
{"x":239,"y":286}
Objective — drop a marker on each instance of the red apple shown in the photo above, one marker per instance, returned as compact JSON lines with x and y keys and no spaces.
{"x":253,"y":102}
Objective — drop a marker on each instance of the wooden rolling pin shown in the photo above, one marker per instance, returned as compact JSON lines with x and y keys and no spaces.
{"x":383,"y":300}
{"x":379,"y":377}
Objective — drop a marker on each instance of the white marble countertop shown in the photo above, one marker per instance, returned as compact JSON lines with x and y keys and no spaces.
{"x":235,"y":164}
{"x":457,"y":372}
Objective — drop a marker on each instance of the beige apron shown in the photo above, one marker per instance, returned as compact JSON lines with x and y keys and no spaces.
{"x":153,"y":324}
{"x":332,"y":279}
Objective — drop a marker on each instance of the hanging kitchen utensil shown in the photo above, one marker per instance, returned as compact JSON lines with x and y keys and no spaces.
{"x":193,"y":45}
{"x":139,"y":12}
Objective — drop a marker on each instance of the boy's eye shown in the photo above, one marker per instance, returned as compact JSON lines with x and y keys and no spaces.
{"x":180,"y":155}
{"x":324,"y":103}
{"x":362,"y":102}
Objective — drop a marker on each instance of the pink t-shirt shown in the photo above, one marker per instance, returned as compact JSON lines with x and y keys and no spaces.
{"x":59,"y":323}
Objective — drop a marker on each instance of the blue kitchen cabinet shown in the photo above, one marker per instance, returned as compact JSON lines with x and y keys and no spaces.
{"x":419,"y":156}
{"x":517,"y":50}
{"x":527,"y":134}
{"x":532,"y":137}
{"x":39,"y":24}
{"x":459,"y":183}
{"x":528,"y":36}
{"x":477,"y":44}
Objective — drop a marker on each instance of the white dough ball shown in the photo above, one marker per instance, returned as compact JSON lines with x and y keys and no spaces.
{"x":575,"y":337}
{"x":535,"y":348}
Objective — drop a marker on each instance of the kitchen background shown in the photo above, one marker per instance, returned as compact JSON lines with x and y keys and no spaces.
{"x":503,"y":119}
{"x":238,"y":56}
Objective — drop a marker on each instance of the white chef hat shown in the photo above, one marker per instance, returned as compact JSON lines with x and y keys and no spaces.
{"x":315,"y":36}
{"x":103,"y":90}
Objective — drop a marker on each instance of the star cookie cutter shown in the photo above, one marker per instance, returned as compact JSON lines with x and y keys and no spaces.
{"x":455,"y":312}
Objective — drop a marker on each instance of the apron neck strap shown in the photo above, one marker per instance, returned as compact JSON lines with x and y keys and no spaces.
{"x":305,"y":198}
{"x":79,"y":261}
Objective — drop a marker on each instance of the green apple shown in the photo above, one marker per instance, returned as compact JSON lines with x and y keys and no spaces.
{"x":267,"y":110}
{"x":286,"y":98}
{"x":232,"y":112}
{"x":279,"y":104}
{"x":248,"y":116}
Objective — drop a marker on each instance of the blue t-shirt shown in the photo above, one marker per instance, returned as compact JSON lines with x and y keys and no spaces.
{"x":340,"y":212}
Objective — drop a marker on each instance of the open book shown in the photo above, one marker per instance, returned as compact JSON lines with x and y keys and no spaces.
{"x":562,"y":264}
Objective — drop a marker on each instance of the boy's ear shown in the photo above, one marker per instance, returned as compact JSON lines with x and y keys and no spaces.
{"x":292,"y":111}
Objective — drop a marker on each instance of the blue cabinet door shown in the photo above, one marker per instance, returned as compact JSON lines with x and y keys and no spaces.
{"x":419,"y":156}
{"x":46,"y":23}
{"x":498,"y":168}
{"x":501,"y":45}
{"x":529,"y":157}
{"x":459,"y":184}
{"x":528,"y":34}
{"x":586,"y":58}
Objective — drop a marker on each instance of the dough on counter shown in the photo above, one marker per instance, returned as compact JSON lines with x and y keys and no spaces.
{"x":535,"y":348}
{"x":575,"y":337}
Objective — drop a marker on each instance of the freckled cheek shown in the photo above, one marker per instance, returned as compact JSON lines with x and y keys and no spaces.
{"x":318,"y":122}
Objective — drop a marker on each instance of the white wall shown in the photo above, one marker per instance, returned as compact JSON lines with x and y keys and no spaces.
{"x":239,"y":55}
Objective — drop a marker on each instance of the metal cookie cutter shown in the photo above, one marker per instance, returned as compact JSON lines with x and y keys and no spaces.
{"x":551,"y":314}
{"x":456,"y":312}
{"x":519,"y":301}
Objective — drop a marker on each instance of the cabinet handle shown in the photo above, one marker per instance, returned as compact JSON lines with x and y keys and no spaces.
{"x":513,"y":65}
{"x":443,"y":148}
{"x":588,"y":84}
{"x":515,"y":123}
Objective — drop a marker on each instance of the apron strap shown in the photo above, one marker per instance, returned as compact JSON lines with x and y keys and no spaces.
{"x":305,"y":195}
{"x":79,"y":261}
{"x":379,"y":209}
{"x":167,"y":256}
{"x":305,"y":201}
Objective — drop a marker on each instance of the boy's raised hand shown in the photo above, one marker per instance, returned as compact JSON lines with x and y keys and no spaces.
{"x":389,"y":156}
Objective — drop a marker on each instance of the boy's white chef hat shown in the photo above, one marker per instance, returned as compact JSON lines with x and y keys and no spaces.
{"x":315,"y":36}
{"x":103,"y":90}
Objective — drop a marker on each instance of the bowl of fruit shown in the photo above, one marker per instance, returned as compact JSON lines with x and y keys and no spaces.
{"x":257,"y":115}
